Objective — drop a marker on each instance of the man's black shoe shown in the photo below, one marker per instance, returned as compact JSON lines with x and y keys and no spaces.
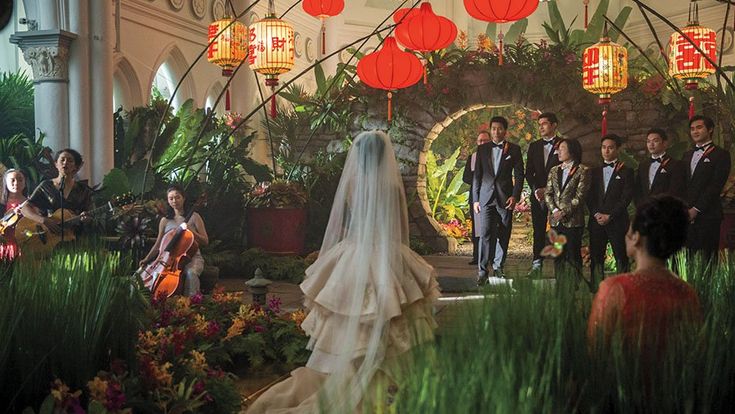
{"x":472,"y":262}
{"x":499,"y":273}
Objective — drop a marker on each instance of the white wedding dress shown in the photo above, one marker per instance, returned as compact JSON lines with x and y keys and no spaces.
{"x":369,"y":296}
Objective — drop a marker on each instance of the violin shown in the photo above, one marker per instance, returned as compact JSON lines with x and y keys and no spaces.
{"x":163,"y":275}
{"x":12,"y":217}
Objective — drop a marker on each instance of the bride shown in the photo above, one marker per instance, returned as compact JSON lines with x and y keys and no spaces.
{"x":369,"y":295}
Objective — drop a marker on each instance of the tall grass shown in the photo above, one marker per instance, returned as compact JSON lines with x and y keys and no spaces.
{"x":77,"y":313}
{"x":528,"y":353}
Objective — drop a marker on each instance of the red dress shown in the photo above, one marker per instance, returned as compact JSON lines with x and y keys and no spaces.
{"x":645,"y":306}
{"x":9,"y":247}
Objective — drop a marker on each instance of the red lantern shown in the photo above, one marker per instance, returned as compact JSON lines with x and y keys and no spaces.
{"x":323,"y":9}
{"x":423,"y":31}
{"x":389,"y":68}
{"x":500,"y":11}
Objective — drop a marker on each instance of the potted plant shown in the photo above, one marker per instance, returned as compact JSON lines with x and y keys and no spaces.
{"x":277,"y":217}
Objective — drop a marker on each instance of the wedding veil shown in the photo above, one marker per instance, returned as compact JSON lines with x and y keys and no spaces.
{"x":368,"y":227}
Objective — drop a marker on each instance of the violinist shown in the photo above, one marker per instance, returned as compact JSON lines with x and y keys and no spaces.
{"x":175,"y":216}
{"x":12,"y":197}
{"x":76,"y":197}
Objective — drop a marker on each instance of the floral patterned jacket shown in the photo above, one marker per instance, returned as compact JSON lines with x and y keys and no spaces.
{"x":569,"y":198}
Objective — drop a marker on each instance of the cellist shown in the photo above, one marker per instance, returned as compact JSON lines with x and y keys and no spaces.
{"x":175,"y":216}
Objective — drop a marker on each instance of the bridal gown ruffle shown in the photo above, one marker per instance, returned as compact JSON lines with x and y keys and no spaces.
{"x":408,"y":310}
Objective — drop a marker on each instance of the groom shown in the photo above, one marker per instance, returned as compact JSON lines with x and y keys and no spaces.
{"x":496,"y":188}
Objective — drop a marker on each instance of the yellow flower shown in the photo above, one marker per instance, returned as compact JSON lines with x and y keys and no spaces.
{"x":461,"y":40}
{"x":161,"y":374}
{"x":247,"y":313}
{"x":528,"y":136}
{"x":60,"y":391}
{"x":237,"y":328}
{"x":98,"y":389}
{"x":200,"y":323}
{"x":198,"y":361}
{"x":298,"y":317}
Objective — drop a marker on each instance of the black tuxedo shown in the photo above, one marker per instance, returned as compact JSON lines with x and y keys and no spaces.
{"x":492,"y":191}
{"x":703,"y":189}
{"x":537,"y":173}
{"x":614,"y":202}
{"x":670,"y":179}
{"x":467,"y":178}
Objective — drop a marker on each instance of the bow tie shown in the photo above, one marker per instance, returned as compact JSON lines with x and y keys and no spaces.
{"x":550,"y":142}
{"x":655,"y":159}
{"x":702,"y":148}
{"x":611,"y":165}
{"x":494,"y":145}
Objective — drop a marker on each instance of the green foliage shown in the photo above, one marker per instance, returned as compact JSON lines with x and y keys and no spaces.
{"x":78,"y":315}
{"x":444,"y":188}
{"x":536,"y":359}
{"x":280,"y":268}
{"x":561,"y":34}
{"x":16,"y":105}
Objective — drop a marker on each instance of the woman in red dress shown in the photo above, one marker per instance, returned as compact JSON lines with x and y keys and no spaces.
{"x":12,"y":195}
{"x":646,"y":306}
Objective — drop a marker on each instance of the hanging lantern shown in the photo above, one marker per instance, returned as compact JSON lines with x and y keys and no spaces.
{"x":389,"y":68}
{"x":271,"y":49}
{"x":423,"y":31}
{"x":586,"y":13}
{"x":685,"y":61}
{"x":500,"y":11}
{"x":226,"y":39}
{"x":605,"y":72}
{"x":323,"y":9}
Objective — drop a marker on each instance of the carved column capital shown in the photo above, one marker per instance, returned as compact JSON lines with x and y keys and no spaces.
{"x":47,"y":51}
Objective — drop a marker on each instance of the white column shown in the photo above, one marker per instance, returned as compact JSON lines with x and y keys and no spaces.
{"x":47,"y":52}
{"x":48,"y":15}
{"x":79,"y":96}
{"x":102,"y":41}
{"x":334,"y":42}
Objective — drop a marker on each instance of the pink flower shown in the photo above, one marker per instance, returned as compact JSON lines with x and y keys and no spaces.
{"x":259,"y":329}
{"x":115,"y":397}
{"x":274,"y":304}
{"x":213,"y":329}
{"x":197,"y":298}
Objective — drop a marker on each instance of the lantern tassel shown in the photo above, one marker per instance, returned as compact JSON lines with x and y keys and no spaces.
{"x":586,"y":14}
{"x":390,"y":106}
{"x":324,"y":38}
{"x":425,"y":78}
{"x":227,"y":99}
{"x":500,"y":48}
{"x":691,"y":107}
{"x":604,"y":122}
{"x":273,"y":103}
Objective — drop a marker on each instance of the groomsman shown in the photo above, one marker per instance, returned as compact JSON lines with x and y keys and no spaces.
{"x":496,"y":187}
{"x":611,"y":191}
{"x":708,"y":169}
{"x":469,"y":169}
{"x":542,"y":155}
{"x":659,"y":173}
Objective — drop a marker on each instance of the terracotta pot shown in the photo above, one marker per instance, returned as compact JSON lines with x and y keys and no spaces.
{"x":277,"y":230}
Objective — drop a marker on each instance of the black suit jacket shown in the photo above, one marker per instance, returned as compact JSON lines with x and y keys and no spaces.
{"x":618,"y":196}
{"x":705,"y":184}
{"x":537,"y":168}
{"x":487,"y":186}
{"x":467,"y":175}
{"x":670,"y":179}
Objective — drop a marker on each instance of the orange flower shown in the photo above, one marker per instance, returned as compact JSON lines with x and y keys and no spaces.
{"x":236,"y":329}
{"x":97,"y":389}
{"x":298,"y":317}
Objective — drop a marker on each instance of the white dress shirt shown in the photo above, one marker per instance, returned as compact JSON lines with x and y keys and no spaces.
{"x":497,"y":155}
{"x":653,"y":168}
{"x":607,"y":172}
{"x":547,"y":148}
{"x":565,"y":169}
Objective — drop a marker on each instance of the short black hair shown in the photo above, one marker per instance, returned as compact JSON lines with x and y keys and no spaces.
{"x":659,"y":131}
{"x":501,"y":120}
{"x":663,"y":220}
{"x":550,"y":116}
{"x":708,"y":122}
{"x":575,"y":149}
{"x":613,"y":137}
{"x":483,"y":131}
{"x":78,"y":160}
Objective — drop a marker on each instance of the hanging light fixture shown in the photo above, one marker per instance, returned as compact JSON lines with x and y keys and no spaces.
{"x":390,"y":68}
{"x":271,"y":49}
{"x":685,"y":61}
{"x":226,"y":39}
{"x":500,"y":11}
{"x":605,"y":72}
{"x":423,"y":31}
{"x":323,"y":9}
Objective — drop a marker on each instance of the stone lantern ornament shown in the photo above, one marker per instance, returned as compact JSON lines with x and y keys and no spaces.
{"x":258,"y":287}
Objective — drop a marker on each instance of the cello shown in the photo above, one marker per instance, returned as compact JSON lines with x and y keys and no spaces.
{"x":163,"y":275}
